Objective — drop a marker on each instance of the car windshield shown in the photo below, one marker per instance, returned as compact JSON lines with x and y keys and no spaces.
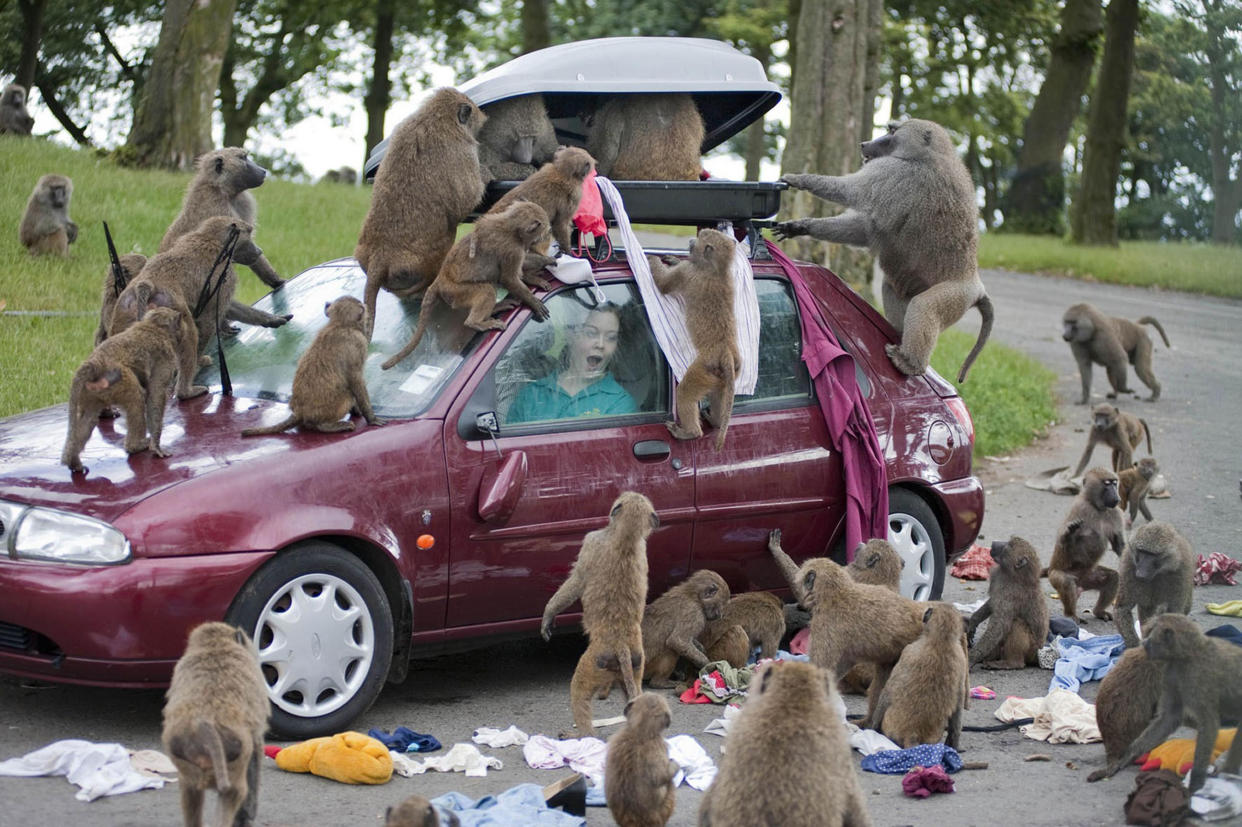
{"x":261,"y":361}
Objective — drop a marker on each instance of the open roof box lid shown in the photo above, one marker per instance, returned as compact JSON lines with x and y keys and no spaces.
{"x":729,"y":88}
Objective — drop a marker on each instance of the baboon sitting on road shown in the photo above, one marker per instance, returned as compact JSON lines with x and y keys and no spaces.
{"x":1015,"y":610}
{"x":1092,"y":526}
{"x":674,"y":621}
{"x":1157,"y":576}
{"x":1132,"y":486}
{"x":1110,"y":341}
{"x":46,"y":227}
{"x":1119,"y":431}
{"x":760,"y":619}
{"x":926,"y":692}
{"x":1127,"y":700}
{"x":638,"y":775}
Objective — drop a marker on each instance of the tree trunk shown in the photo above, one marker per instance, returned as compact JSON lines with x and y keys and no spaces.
{"x":535,"y":31}
{"x":379,"y":93}
{"x":1226,"y":191}
{"x":1093,"y":214}
{"x":172,"y":123}
{"x":1036,"y":199}
{"x":32,"y":37}
{"x":58,"y":111}
{"x":830,"y":115}
{"x":756,"y":135}
{"x":274,"y":75}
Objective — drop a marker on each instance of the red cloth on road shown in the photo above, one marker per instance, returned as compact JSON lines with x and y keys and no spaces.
{"x":974,"y":564}
{"x":921,"y":782}
{"x":1216,"y":568}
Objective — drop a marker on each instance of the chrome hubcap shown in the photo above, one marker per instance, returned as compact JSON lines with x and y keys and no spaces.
{"x":914,"y":546}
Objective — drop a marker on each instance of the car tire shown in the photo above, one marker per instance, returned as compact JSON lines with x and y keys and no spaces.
{"x":320,"y":620}
{"x":915,"y":532}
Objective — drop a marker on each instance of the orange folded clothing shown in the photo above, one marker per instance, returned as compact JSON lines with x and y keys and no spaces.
{"x":348,"y":757}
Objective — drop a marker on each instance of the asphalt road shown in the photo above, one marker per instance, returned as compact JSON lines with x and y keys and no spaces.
{"x":1195,"y":431}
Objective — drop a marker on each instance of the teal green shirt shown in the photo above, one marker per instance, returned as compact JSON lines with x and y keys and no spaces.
{"x":544,"y":399}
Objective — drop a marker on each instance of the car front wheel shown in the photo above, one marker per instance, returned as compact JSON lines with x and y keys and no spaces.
{"x":323,"y":629}
{"x":915,"y":533}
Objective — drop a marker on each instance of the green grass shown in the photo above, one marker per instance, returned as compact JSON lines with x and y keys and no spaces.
{"x":1194,"y":268}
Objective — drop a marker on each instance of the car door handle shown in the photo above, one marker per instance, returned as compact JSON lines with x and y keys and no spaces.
{"x":651,"y":449}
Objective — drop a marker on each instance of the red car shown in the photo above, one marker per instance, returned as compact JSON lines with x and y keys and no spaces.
{"x":346,"y":554}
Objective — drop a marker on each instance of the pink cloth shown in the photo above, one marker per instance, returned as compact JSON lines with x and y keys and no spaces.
{"x":974,"y":564}
{"x":845,"y":412}
{"x":589,"y":219}
{"x":921,"y":782}
{"x":1216,"y":568}
{"x":800,"y":643}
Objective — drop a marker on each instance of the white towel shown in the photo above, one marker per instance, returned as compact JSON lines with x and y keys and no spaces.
{"x":98,"y":769}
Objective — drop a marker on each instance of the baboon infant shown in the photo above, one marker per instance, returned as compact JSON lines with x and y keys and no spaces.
{"x":638,"y":774}
{"x":427,"y":184}
{"x":557,"y":187}
{"x":1133,"y":484}
{"x":14,"y":118}
{"x":1119,"y":431}
{"x":647,"y":137}
{"x":1015,"y":610}
{"x":132,"y":371}
{"x":1127,"y":700}
{"x":1110,"y":341}
{"x":927,"y":690}
{"x":329,"y":381}
{"x":1200,"y":686}
{"x":913,"y":204}
{"x":1091,"y":527}
{"x":113,"y":285}
{"x":516,"y":139}
{"x":610,"y":578}
{"x":214,"y":721}
{"x":750,"y":619}
{"x":786,"y":760}
{"x":490,"y":255}
{"x":674,"y":621}
{"x":416,"y":811}
{"x":1157,"y":576}
{"x":705,"y":281}
{"x":46,"y":227}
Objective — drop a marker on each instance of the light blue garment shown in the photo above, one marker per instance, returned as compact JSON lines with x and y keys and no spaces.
{"x":515,"y":807}
{"x":1084,"y":660}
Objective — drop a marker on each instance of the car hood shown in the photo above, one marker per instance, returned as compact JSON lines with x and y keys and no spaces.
{"x":201,"y":435}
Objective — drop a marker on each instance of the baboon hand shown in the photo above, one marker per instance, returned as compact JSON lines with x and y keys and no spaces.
{"x":539,"y":310}
{"x":1072,"y":526}
{"x":774,"y":539}
{"x":545,"y":630}
{"x":789,"y":229}
{"x":796,"y":181}
{"x":279,"y":321}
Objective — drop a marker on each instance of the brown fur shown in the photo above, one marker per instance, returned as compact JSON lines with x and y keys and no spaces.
{"x":706,"y":283}
{"x":674,"y":621}
{"x":1110,"y":341}
{"x":786,"y":760}
{"x":516,"y":139}
{"x":647,"y":138}
{"x":131,"y":266}
{"x":610,"y":578}
{"x":1127,"y":701}
{"x":1119,"y":431}
{"x":329,"y":381}
{"x":1200,"y":685}
{"x":1157,"y":576}
{"x":214,"y":721}
{"x":1133,"y":484}
{"x":1091,"y":527}
{"x":638,"y":775}
{"x":913,"y":204}
{"x":132,"y":371}
{"x":557,"y":187}
{"x":46,"y":227}
{"x":426,"y":185}
{"x":926,"y":692}
{"x":14,"y":118}
{"x":416,"y":811}
{"x":1015,"y":610}
{"x":754,"y":618}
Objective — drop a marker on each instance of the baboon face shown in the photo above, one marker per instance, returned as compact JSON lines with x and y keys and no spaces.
{"x":56,"y":190}
{"x":712,"y":592}
{"x":14,"y":96}
{"x":648,"y":713}
{"x":528,"y":220}
{"x":635,"y":509}
{"x":1151,"y":546}
{"x":232,"y":165}
{"x":415,"y":811}
{"x":710,"y":247}
{"x":345,"y":310}
{"x":1016,"y":556}
{"x":573,"y":162}
{"x":469,"y":116}
{"x":1100,"y":486}
{"x":1171,"y":637}
{"x":1076,"y":325}
{"x":909,"y":140}
{"x":1148,"y":467}
{"x":1104,"y":416}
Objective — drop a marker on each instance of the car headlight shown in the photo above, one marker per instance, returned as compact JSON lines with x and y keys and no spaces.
{"x":35,"y":533}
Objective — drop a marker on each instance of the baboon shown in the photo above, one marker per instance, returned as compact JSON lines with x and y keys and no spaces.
{"x":557,"y":187}
{"x":705,"y":281}
{"x":344,"y":175}
{"x":638,"y":774}
{"x":1119,"y":431}
{"x":753,"y":618}
{"x":1200,"y":686}
{"x":786,"y":758}
{"x":851,"y":622}
{"x":610,"y":578}
{"x":1127,"y":701}
{"x":46,"y":227}
{"x":647,"y":137}
{"x":913,"y":204}
{"x":876,"y":563}
{"x":674,"y":621}
{"x":214,"y":721}
{"x":329,"y":381}
{"x":1092,"y":525}
{"x":1015,"y":610}
{"x":1157,"y":576}
{"x":1132,"y":486}
{"x":1110,"y":341}
{"x":14,"y":119}
{"x":490,"y":255}
{"x":416,"y":811}
{"x":927,"y":690}
{"x":428,"y":182}
{"x":131,"y":266}
{"x":516,"y":139}
{"x":133,"y":371}
{"x":728,"y":643}
{"x":139,"y":296}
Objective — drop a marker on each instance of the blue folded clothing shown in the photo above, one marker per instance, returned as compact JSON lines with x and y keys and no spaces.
{"x":900,"y":761}
{"x":404,"y":739}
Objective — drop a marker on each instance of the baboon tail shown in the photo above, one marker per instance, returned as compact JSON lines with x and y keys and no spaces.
{"x":1151,"y":320}
{"x":626,"y":664}
{"x":726,"y":406}
{"x":209,"y":737}
{"x":985,"y":330}
{"x":424,"y":316}
{"x":1147,"y":431}
{"x":272,"y":429}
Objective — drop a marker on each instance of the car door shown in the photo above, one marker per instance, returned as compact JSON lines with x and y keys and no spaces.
{"x":777,"y":468}
{"x":523,"y":501}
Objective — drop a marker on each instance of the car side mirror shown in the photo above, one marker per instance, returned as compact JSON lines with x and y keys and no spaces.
{"x":488,"y":423}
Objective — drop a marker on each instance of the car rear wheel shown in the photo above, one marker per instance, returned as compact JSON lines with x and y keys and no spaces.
{"x":915,"y":533}
{"x":323,"y":629}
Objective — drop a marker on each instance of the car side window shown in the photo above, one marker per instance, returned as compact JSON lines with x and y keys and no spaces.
{"x":591,"y":359}
{"x":782,"y":373}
